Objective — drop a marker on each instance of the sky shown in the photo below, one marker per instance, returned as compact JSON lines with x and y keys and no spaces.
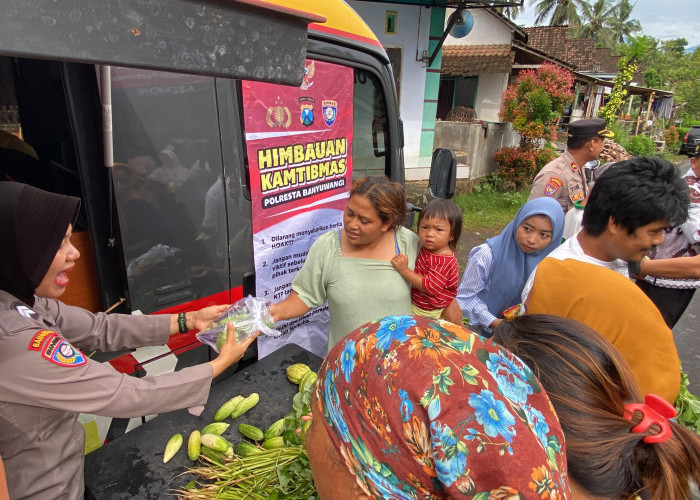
{"x":662,"y":20}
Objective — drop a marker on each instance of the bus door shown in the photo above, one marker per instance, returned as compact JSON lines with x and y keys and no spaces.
{"x":185,"y":222}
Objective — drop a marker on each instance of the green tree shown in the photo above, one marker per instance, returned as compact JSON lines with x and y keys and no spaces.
{"x":533,"y":104}
{"x":510,"y":12}
{"x":595,"y":20}
{"x":621,"y":25}
{"x":666,"y":65}
{"x":559,"y":12}
{"x":618,"y":94}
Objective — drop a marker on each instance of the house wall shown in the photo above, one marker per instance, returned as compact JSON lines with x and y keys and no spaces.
{"x":418,"y":29}
{"x":489,"y":94}
{"x":475,"y":145}
{"x":487,"y":29}
{"x":415,"y":96}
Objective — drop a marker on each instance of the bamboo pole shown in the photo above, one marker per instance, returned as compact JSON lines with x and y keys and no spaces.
{"x":646,"y":119}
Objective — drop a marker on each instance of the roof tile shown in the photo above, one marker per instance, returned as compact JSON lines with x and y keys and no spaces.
{"x":468,"y":60}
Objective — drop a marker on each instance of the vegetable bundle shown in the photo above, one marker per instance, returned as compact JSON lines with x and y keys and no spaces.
{"x":270,"y":464}
{"x":248,"y":315}
{"x":688,"y":406}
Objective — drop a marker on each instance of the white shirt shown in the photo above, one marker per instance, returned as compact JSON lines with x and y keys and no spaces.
{"x":571,"y":249}
{"x":474,"y":287}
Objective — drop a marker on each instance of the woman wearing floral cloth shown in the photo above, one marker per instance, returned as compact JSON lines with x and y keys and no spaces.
{"x":410,"y":407}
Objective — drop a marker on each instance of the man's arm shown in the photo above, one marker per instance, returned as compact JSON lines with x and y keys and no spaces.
{"x":678,"y":268}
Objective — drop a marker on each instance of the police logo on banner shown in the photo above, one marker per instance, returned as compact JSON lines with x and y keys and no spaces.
{"x":306,"y":106}
{"x":330,"y":111}
{"x":61,"y":353}
{"x":278,"y":116}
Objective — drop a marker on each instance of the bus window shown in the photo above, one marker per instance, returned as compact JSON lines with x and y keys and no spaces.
{"x":370,"y":134}
{"x":170,"y":189}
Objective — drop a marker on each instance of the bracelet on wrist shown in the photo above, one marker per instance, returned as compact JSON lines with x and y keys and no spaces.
{"x":182,"y":323}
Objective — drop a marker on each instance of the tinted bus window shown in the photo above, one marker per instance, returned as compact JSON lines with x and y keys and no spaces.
{"x":170,"y":190}
{"x":370,"y":148}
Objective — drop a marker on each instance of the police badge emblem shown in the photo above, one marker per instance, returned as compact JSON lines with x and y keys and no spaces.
{"x":330,"y":111}
{"x":61,"y":353}
{"x":306,"y":106}
{"x":552,"y":186}
{"x":278,"y":116}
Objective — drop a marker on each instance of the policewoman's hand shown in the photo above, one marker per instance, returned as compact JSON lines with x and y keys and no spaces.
{"x":203,"y":317}
{"x":231,"y":351}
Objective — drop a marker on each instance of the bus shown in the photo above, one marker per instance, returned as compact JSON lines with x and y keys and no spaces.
{"x":162,"y":116}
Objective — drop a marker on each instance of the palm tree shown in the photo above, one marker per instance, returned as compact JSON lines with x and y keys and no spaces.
{"x":621,"y":25}
{"x":559,"y":12}
{"x":510,"y":12}
{"x":595,"y":21}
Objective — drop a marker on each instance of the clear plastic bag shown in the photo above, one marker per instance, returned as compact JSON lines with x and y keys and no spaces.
{"x":248,"y":315}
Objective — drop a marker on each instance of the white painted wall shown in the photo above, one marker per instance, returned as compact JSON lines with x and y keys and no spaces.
{"x":488,"y":29}
{"x":413,"y":28}
{"x":488,"y":95}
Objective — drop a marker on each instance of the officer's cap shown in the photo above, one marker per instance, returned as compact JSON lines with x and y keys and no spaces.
{"x":590,"y":127}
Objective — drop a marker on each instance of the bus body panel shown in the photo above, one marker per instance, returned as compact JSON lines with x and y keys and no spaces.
{"x":152,"y":251}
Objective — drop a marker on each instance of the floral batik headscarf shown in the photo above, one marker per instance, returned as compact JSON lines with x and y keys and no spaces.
{"x":421,"y":408}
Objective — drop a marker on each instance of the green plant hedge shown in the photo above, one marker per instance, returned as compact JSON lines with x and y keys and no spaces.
{"x":640,"y":145}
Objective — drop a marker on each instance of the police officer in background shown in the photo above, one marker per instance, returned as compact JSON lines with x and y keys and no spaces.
{"x":563,"y":178}
{"x":45,"y":379}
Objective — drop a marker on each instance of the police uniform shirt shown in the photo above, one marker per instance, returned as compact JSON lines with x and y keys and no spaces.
{"x":561,"y":179}
{"x":46,"y":381}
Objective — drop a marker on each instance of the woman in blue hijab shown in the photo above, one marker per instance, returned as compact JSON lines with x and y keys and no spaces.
{"x":498,"y":269}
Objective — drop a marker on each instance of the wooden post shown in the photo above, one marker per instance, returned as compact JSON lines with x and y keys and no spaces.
{"x":646,"y":119}
{"x":573,"y":104}
{"x":586,"y":112}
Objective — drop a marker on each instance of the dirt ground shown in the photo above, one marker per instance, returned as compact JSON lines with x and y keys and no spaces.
{"x":467,"y":241}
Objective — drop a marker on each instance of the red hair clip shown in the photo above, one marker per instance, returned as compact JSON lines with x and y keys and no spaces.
{"x":654,"y":410}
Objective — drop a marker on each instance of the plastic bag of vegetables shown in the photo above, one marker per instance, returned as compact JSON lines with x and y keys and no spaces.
{"x":248,"y":315}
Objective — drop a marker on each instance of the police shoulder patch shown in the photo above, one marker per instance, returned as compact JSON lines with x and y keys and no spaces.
{"x":552,"y":186}
{"x":39,"y":338}
{"x":60,"y":352}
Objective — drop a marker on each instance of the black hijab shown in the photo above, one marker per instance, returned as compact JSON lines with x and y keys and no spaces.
{"x":32,"y":226}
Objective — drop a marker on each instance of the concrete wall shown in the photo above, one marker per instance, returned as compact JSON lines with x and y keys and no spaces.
{"x":489,"y":93}
{"x":474,"y":145}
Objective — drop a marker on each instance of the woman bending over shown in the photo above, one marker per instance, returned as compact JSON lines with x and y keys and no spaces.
{"x":617,"y":446}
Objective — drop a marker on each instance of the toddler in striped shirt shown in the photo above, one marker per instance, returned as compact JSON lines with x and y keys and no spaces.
{"x":436,"y":276}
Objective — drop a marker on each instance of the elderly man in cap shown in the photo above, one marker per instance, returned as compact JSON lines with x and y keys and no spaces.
{"x":563,"y":178}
